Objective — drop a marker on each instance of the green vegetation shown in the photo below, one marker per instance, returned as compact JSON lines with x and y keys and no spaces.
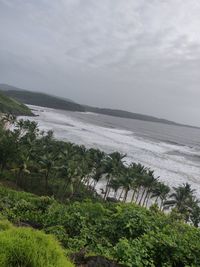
{"x":65,"y":203}
{"x":10,"y":105}
{"x":127,"y":233}
{"x":26,"y":247}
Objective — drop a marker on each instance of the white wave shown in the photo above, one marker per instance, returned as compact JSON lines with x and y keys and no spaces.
{"x":172,"y":169}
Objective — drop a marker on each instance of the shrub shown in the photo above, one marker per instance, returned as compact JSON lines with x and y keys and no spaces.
{"x":24,"y":247}
{"x":133,"y":253}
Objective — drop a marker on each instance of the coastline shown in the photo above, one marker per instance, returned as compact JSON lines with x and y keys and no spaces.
{"x":172,"y":169}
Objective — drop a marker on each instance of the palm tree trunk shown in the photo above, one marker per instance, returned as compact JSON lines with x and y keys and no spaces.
{"x":125,"y":194}
{"x":161,"y":204}
{"x":79,"y":184}
{"x":156,"y":201}
{"x":142,"y":196}
{"x":146,"y":197}
{"x":133,"y":195}
{"x":88,"y":182}
{"x":108,"y":193}
{"x":120,"y":196}
{"x":138,"y":194}
{"x":107,"y":187}
{"x":147,"y":200}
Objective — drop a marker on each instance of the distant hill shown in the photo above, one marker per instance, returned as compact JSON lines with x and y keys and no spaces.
{"x":40,"y":99}
{"x":7,"y":87}
{"x":45,"y":100}
{"x":11,"y":106}
{"x":127,"y":114}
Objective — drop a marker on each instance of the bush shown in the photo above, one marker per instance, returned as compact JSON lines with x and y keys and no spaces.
{"x":24,"y":247}
{"x":178,"y":247}
{"x":133,"y":253}
{"x":132,"y":235}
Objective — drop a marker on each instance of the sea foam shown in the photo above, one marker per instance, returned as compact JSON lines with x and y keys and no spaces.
{"x":172,"y":168}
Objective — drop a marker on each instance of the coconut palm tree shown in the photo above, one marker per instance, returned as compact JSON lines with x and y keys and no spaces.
{"x":151,"y":183}
{"x":195,"y":213}
{"x":181,"y":199}
{"x":68,"y":173}
{"x":127,"y":181}
{"x":160,"y":192}
{"x":136,"y":171}
{"x":20,"y":165}
{"x":113,"y":167}
{"x":47,"y":163}
{"x":115,"y":184}
{"x":96,"y":162}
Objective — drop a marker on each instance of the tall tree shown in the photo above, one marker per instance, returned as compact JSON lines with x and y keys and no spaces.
{"x":181,"y":199}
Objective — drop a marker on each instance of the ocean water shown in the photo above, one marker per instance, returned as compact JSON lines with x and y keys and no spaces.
{"x":172,"y":151}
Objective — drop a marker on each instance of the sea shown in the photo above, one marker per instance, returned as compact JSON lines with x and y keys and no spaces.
{"x":173,"y":152}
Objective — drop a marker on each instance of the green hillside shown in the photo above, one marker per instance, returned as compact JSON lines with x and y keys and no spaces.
{"x":12,"y":106}
{"x":40,"y":99}
{"x":97,"y":230}
{"x":51,"y":101}
{"x":126,"y":233}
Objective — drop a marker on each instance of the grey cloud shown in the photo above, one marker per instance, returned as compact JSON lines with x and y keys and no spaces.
{"x":143,"y":56}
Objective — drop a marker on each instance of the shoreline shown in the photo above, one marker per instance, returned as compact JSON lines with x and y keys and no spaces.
{"x":72,"y":129}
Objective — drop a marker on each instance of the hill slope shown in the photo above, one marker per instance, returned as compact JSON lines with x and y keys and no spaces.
{"x":127,"y":114}
{"x":45,"y":100}
{"x":40,"y":99}
{"x":9,"y":105}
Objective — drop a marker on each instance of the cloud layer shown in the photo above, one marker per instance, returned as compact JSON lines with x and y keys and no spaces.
{"x":143,"y":56}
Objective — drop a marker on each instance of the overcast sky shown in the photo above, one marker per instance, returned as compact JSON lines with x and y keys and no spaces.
{"x":138,"y":55}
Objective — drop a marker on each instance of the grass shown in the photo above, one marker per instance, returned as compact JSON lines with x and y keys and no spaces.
{"x":25,"y":247}
{"x":11,"y":106}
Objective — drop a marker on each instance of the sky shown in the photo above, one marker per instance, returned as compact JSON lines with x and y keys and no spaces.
{"x":138,"y":55}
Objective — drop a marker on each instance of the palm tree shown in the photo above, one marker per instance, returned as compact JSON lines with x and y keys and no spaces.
{"x":160,"y":191}
{"x":195,"y":213}
{"x":96,"y":161}
{"x":115,"y":184}
{"x":8,"y":149}
{"x":127,"y":181}
{"x":181,"y":199}
{"x":73,"y":168}
{"x":138,"y":172}
{"x":47,"y":162}
{"x":21,"y":165}
{"x":113,"y":166}
{"x":151,"y":183}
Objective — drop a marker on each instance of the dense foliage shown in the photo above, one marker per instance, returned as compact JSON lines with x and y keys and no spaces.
{"x":127,"y":233}
{"x":137,"y":233}
{"x":37,"y":162}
